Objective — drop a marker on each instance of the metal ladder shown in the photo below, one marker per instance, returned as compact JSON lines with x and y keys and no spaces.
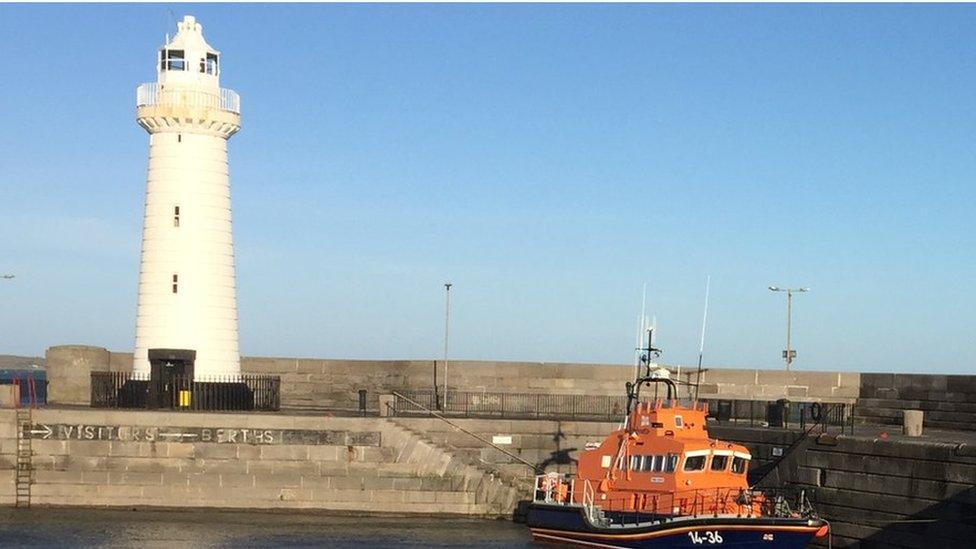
{"x":25,"y":455}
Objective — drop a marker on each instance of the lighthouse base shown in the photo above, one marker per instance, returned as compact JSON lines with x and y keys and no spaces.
{"x":173,"y":385}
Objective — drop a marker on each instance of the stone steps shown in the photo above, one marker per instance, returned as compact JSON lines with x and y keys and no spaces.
{"x":533,"y":441}
{"x":504,"y":489}
{"x":411,"y":447}
{"x":938,"y":414}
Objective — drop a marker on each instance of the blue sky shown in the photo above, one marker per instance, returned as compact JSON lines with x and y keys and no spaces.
{"x":546,"y":159}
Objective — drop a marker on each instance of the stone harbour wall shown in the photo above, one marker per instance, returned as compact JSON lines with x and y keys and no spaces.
{"x":167,"y":459}
{"x":948,"y":402}
{"x":317,"y":384}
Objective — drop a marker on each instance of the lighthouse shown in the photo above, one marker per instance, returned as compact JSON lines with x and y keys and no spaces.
{"x":186,"y":322}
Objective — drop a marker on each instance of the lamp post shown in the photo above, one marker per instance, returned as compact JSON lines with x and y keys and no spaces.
{"x":789,"y":354}
{"x":447,"y":326}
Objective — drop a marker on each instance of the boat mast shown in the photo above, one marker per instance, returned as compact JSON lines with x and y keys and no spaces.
{"x":701,"y":344}
{"x":640,"y":332}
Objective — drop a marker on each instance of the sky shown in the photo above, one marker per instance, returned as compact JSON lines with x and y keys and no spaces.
{"x":548,"y":160}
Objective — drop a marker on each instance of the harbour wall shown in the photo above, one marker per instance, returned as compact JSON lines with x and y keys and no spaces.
{"x":114,"y":458}
{"x":881,"y":493}
{"x":874,"y":492}
{"x":317,"y":384}
{"x":948,"y":402}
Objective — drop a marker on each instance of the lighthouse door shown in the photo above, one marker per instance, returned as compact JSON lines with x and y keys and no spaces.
{"x":171,"y":371}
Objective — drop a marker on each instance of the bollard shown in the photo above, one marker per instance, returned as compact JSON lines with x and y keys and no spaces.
{"x":912,"y":425}
{"x":778,"y":413}
{"x":362,"y":401}
{"x":386,"y":406}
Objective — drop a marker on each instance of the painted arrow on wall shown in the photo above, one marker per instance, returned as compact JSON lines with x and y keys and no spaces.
{"x":45,"y":431}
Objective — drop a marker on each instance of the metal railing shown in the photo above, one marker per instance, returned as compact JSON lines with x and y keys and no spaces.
{"x":611,"y":408}
{"x":182,"y":392}
{"x":32,"y":385}
{"x":514,"y":405}
{"x":787,"y":415}
{"x":476,"y":436}
{"x":150,"y":94}
{"x":553,"y":488}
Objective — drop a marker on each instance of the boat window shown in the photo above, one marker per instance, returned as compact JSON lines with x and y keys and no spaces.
{"x":694,"y":463}
{"x":738,"y":465}
{"x":678,"y":422}
{"x":646,"y":462}
{"x":671,"y":464}
{"x":658,"y":463}
{"x":719,"y":463}
{"x":635,"y":463}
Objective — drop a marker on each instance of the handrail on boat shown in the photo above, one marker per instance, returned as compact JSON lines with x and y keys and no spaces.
{"x":588,"y":496}
{"x":692,"y":502}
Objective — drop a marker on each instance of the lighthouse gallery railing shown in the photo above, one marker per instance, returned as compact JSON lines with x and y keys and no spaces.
{"x":150,"y":94}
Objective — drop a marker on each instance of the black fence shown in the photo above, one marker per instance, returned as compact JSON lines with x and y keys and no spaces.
{"x":516,"y":405}
{"x":782,"y":413}
{"x":231,"y":392}
{"x":756,"y":413}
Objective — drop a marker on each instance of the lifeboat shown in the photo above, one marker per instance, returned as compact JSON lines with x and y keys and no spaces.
{"x":661,"y":481}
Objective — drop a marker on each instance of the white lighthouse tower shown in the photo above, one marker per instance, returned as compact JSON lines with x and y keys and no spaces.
{"x":187,"y":310}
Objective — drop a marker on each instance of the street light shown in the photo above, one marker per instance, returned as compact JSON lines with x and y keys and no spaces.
{"x":789,"y":354}
{"x":447,"y":325}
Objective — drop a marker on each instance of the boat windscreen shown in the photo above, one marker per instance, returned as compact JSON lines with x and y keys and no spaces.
{"x":738,"y":465}
{"x":695,"y":463}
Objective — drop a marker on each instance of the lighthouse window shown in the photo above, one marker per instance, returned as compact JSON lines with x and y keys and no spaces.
{"x":719,"y":463}
{"x":172,"y":60}
{"x":176,"y":216}
{"x":176,"y":279}
{"x":694,"y":463}
{"x":208,"y":65}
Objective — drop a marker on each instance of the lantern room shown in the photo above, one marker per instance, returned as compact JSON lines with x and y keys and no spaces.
{"x":187,"y":59}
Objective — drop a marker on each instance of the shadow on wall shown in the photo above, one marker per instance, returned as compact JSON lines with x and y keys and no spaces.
{"x":949,"y":523}
{"x":560,"y":456}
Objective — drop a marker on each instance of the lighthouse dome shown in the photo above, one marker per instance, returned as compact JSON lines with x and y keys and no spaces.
{"x":187,"y":59}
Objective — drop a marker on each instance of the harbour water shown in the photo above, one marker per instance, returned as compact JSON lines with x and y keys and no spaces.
{"x":74,"y":527}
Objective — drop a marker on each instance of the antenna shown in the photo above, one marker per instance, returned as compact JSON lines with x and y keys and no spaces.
{"x":701,"y":344}
{"x":641,"y":323}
